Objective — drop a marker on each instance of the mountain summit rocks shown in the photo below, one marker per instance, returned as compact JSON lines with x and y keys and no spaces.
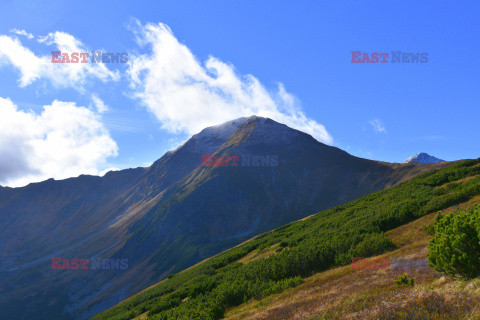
{"x":423,"y":158}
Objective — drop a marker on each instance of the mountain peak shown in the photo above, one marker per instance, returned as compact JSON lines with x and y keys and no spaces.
{"x":423,"y":157}
{"x":211,"y":138}
{"x":224,"y":130}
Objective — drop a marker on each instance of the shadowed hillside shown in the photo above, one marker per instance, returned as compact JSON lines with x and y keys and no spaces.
{"x":288,"y":256}
{"x":171,"y":215}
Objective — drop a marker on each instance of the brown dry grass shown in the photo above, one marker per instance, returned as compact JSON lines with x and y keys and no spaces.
{"x":143,"y":316}
{"x":260,"y":254}
{"x":345,"y":293}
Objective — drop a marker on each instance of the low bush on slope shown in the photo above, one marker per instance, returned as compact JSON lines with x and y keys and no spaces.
{"x":325,"y":240}
{"x":455,"y":248}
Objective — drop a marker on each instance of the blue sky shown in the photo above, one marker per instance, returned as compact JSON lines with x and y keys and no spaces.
{"x":290,"y":60}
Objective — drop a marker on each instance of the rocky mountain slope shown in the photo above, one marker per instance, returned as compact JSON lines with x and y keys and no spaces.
{"x":293,"y":271}
{"x":223,"y":186}
{"x":423,"y":158}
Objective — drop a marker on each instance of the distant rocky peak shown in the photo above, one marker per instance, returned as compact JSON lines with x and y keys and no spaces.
{"x":423,"y":158}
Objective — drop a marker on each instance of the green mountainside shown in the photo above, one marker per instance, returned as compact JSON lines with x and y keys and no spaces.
{"x":171,"y":215}
{"x":299,"y":249}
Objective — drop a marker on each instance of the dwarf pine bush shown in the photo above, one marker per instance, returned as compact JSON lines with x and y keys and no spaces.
{"x":455,"y":248}
{"x":404,"y":281}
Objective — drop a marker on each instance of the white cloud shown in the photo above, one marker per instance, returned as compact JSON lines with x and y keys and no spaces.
{"x":378,"y":126}
{"x":105,"y":171}
{"x":22,"y":33}
{"x":33,"y":67}
{"x":65,"y":140}
{"x":99,"y":104}
{"x":187,"y":96}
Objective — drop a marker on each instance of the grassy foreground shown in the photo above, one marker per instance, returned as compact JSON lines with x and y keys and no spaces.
{"x":282,"y":262}
{"x":371,"y":293}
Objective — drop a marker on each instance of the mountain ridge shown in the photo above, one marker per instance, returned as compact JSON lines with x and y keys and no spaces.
{"x":275,"y":261}
{"x":171,"y":215}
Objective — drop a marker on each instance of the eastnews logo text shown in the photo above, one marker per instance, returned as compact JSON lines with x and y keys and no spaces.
{"x":95,"y":57}
{"x":385,"y":57}
{"x":97,"y":263}
{"x":244,"y":160}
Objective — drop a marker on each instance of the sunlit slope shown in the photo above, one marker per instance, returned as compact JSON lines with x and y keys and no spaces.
{"x":367,"y":290}
{"x":283,"y":258}
{"x":171,"y":215}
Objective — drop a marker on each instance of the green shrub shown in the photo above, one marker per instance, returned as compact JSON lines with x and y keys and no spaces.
{"x":455,"y":248}
{"x":404,"y":281}
{"x":372,"y":245}
{"x":429,"y":229}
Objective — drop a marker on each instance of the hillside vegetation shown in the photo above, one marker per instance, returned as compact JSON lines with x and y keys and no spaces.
{"x":294,"y":252}
{"x":352,"y":293}
{"x":455,"y":249}
{"x":171,"y":215}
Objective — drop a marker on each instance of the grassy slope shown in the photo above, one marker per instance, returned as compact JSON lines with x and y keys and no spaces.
{"x":243,"y":281}
{"x":346,"y":293}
